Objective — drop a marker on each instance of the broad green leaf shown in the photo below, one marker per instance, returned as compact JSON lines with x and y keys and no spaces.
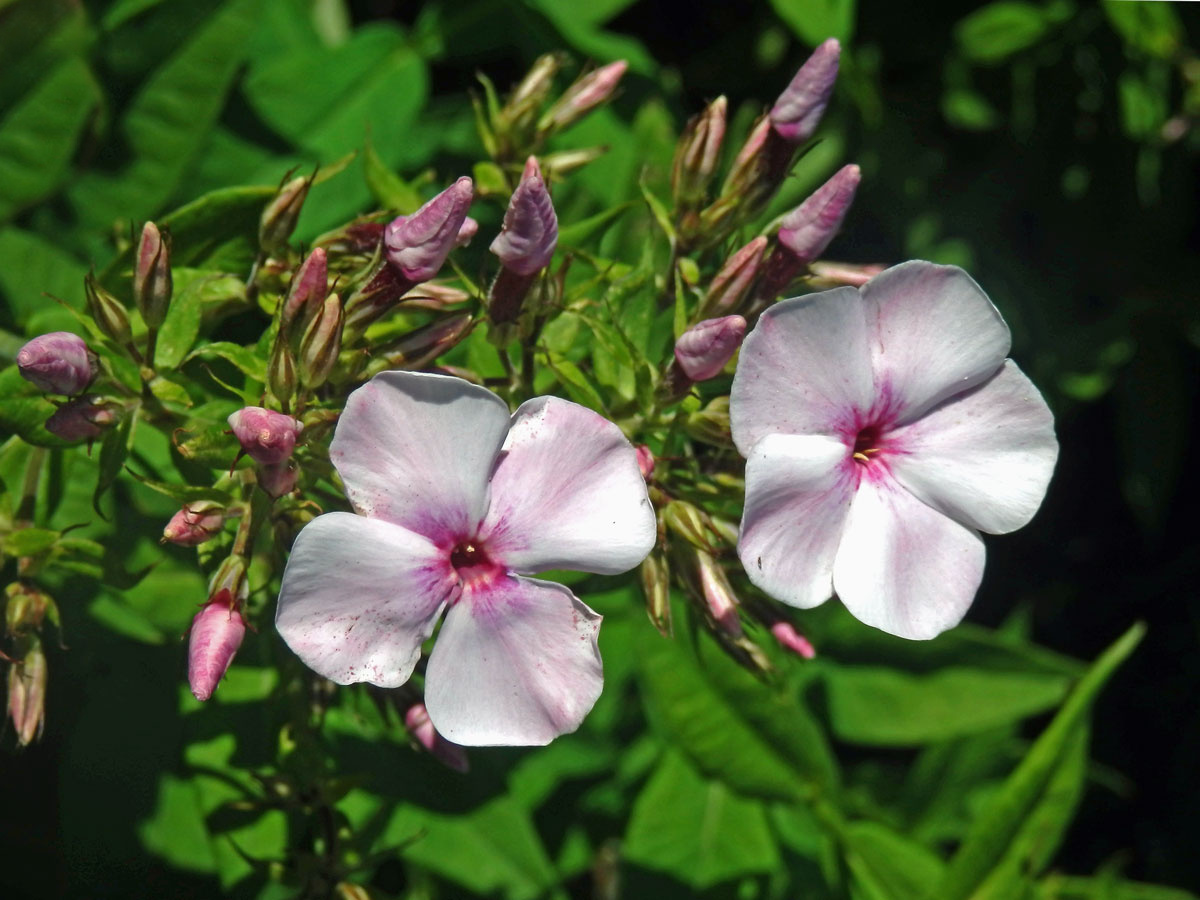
{"x":1107,"y":887}
{"x":23,"y":411}
{"x":885,"y":865}
{"x":756,"y":738}
{"x":993,"y":835}
{"x":175,"y":830}
{"x":815,"y":20}
{"x":29,"y":541}
{"x":575,"y":383}
{"x":37,"y":37}
{"x":244,"y":358}
{"x":696,"y":830}
{"x":195,"y":291}
{"x":392,"y":191}
{"x":32,"y":272}
{"x":38,"y":137}
{"x":1143,"y":105}
{"x":886,"y":707}
{"x":969,"y":110}
{"x":997,"y":31}
{"x":1154,"y":28}
{"x":199,"y":227}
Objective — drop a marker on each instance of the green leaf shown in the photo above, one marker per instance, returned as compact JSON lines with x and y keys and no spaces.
{"x":886,"y":865}
{"x":1154,"y":28}
{"x":969,"y":110}
{"x":30,"y":269}
{"x":393,"y":192}
{"x":38,"y":137}
{"x":183,"y":493}
{"x":114,"y":450}
{"x":201,"y":226}
{"x":577,"y":384}
{"x":815,"y":20}
{"x":244,"y":358}
{"x":885,"y":707}
{"x":24,"y":411}
{"x":757,"y":739}
{"x":659,"y":210}
{"x":29,"y":541}
{"x":585,"y":229}
{"x":195,"y":291}
{"x":696,"y":830}
{"x":997,"y":31}
{"x":1107,"y":887}
{"x":993,"y":835}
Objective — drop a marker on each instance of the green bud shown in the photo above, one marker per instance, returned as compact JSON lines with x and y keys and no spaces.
{"x":152,"y":275}
{"x":711,"y":424}
{"x":697,"y":153}
{"x":321,"y":344}
{"x":690,"y":523}
{"x":419,"y":348}
{"x":656,"y":585}
{"x":279,"y":218}
{"x":106,"y":311}
{"x":26,"y":608}
{"x":281,"y":372}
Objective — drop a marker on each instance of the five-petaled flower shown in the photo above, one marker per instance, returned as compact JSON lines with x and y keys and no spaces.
{"x":457,"y":502}
{"x":884,"y":429}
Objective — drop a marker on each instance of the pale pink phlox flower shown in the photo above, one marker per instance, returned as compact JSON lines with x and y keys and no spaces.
{"x":884,"y":429}
{"x":457,"y":502}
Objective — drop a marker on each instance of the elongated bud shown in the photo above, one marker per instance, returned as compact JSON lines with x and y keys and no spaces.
{"x":656,"y":585}
{"x":792,"y":640}
{"x":798,"y":110}
{"x":588,"y":92}
{"x":152,"y":275}
{"x":530,"y":231}
{"x":230,"y":576}
{"x":807,"y":230}
{"x":106,"y":311}
{"x":703,"y":350}
{"x":25,"y":609}
{"x":281,"y":372}
{"x":266,"y":436}
{"x":57,"y":363}
{"x":321,"y":344}
{"x":279,"y":219}
{"x":529,"y":95}
{"x":690,"y":523}
{"x":466,"y":232}
{"x":434,"y":296}
{"x":83,"y":418}
{"x":420,"y":347}
{"x":718,"y":594}
{"x":305,"y":295}
{"x":746,"y":169}
{"x":196,"y":523}
{"x":563,"y":162}
{"x":279,"y":478}
{"x":732,"y":284}
{"x":419,"y":725}
{"x":27,"y":691}
{"x":418,"y":245}
{"x":217,"y":633}
{"x":645,"y":461}
{"x":697,"y":153}
{"x":827,"y":274}
{"x":711,"y":424}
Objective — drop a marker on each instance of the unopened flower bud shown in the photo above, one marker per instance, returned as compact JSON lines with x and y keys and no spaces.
{"x":807,"y":230}
{"x":690,"y":523}
{"x":279,"y":219}
{"x":57,"y":363}
{"x":281,"y":372}
{"x":152,"y":275}
{"x":83,"y":418}
{"x":305,"y":295}
{"x":434,"y":296}
{"x":528,"y":96}
{"x":798,"y":110}
{"x":279,"y":478}
{"x":26,"y":608}
{"x":703,"y":350}
{"x":792,"y":640}
{"x":745,"y":170}
{"x":266,"y":436}
{"x":731,"y":285}
{"x":419,"y":725}
{"x":718,"y":594}
{"x":106,"y":311}
{"x":216,"y":634}
{"x":196,"y":523}
{"x":27,"y":691}
{"x":418,"y":245}
{"x":530,"y":231}
{"x":466,"y":232}
{"x":588,"y":92}
{"x":711,"y":424}
{"x":697,"y":153}
{"x":321,"y":344}
{"x":656,"y":585}
{"x":827,"y":274}
{"x":230,"y":576}
{"x":563,"y":162}
{"x":420,"y":347}
{"x":645,"y":461}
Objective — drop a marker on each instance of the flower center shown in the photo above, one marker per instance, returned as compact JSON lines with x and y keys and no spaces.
{"x":866,"y":444}
{"x":471,"y":562}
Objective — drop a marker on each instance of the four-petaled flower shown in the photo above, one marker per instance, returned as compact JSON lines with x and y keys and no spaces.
{"x":884,"y":429}
{"x":457,"y":503}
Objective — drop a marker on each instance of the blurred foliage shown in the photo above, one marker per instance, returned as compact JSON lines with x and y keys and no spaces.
{"x":1048,"y":147}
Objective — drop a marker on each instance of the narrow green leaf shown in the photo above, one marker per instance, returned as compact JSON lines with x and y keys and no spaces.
{"x":114,"y":450}
{"x":29,"y":541}
{"x":585,"y":229}
{"x":244,"y":358}
{"x":1107,"y":887}
{"x":659,"y":210}
{"x":887,"y":865}
{"x":393,"y":192}
{"x":183,"y":493}
{"x":196,"y":290}
{"x":575,"y":382}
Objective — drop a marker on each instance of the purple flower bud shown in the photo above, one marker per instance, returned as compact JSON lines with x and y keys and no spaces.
{"x":266,"y":436}
{"x":798,"y":110}
{"x":588,"y":92}
{"x":83,"y":418}
{"x":807,"y":230}
{"x":307,"y":292}
{"x":703,"y":349}
{"x":194,"y":524}
{"x":730,"y":286}
{"x":57,"y":363}
{"x":529,"y":234}
{"x":279,"y":478}
{"x":645,"y":461}
{"x":217,"y":633}
{"x":466,"y":232}
{"x":790,"y":639}
{"x":152,"y":275}
{"x":27,"y":692}
{"x":419,"y":725}
{"x":418,"y":245}
{"x":425,"y":344}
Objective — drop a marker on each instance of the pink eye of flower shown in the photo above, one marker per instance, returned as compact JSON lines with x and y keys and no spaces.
{"x":866,"y":443}
{"x":472,"y":563}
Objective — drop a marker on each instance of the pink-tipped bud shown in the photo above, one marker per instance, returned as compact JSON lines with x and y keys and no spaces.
{"x":152,"y":275}
{"x":731,"y":285}
{"x":718,"y":594}
{"x":321,"y":344}
{"x":792,"y":640}
{"x":26,"y":608}
{"x":419,"y":725}
{"x":834,"y":274}
{"x":588,"y":92}
{"x":57,"y":363}
{"x":697,"y":152}
{"x":106,"y":310}
{"x":807,"y":230}
{"x":466,"y":232}
{"x":279,"y":478}
{"x":645,"y":461}
{"x":27,"y":692}
{"x":744,"y":171}
{"x":307,"y":292}
{"x":798,"y":110}
{"x":279,"y":219}
{"x":266,"y":436}
{"x":83,"y":418}
{"x":194,"y":524}
{"x":217,"y":633}
{"x":418,"y":245}
{"x":703,"y":349}
{"x":529,"y":234}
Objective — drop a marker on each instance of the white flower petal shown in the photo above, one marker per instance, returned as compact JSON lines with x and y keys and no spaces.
{"x":933,"y":332}
{"x":798,"y":493}
{"x":984,"y":457}
{"x":515,"y":664}
{"x":359,"y":597}
{"x":804,"y":369}
{"x":902,"y":566}
{"x":417,"y":450}
{"x":567,"y":494}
